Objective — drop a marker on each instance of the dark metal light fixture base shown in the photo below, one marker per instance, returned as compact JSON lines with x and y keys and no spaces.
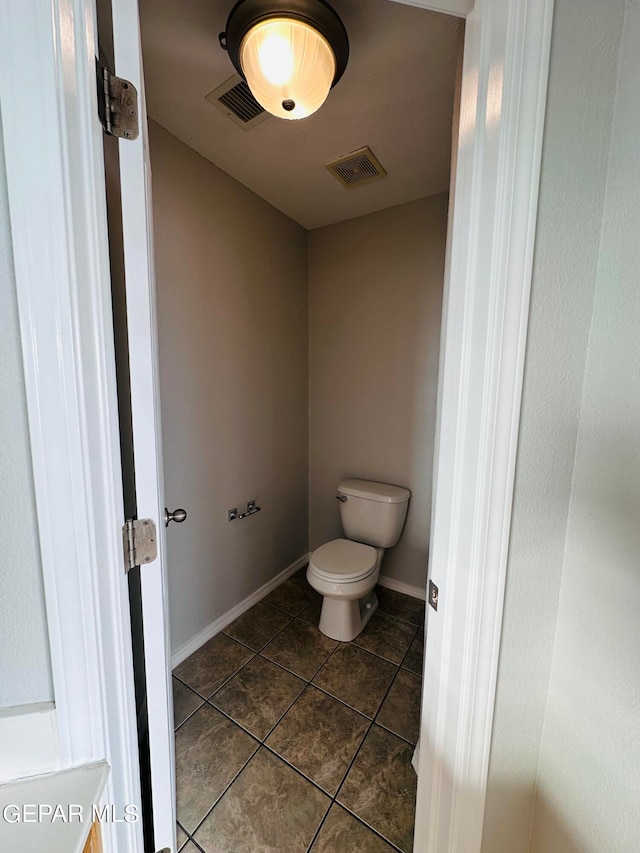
{"x":316,"y":13}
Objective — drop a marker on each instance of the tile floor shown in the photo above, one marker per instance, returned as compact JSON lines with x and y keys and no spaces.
{"x":287,"y":741}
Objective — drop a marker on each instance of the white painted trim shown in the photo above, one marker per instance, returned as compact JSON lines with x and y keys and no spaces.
{"x":56,"y":197}
{"x":457,"y":8}
{"x":487,"y":284}
{"x":29,"y":738}
{"x":404,"y":588}
{"x":137,"y":235}
{"x":55,"y":176}
{"x":227,"y":618}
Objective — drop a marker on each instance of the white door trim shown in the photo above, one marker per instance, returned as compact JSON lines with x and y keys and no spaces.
{"x":137,"y":233}
{"x":55,"y":173}
{"x":56,"y":195}
{"x":487,"y":286}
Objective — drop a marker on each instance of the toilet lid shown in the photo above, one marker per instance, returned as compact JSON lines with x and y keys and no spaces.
{"x":344,"y":560}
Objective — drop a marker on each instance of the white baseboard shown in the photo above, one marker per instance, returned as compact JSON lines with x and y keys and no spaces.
{"x":398,"y":586}
{"x":227,"y":618}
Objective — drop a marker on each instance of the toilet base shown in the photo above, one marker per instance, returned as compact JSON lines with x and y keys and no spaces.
{"x":343,"y":619}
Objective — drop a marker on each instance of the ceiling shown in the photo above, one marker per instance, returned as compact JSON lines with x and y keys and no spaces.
{"x":396,"y":96}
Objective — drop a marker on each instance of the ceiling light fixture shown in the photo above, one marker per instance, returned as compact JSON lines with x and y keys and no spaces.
{"x":290,"y":52}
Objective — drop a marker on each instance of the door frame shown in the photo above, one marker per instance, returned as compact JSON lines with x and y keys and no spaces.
{"x":490,"y":245}
{"x":57,"y":209}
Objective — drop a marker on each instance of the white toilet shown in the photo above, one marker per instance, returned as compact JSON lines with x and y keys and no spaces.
{"x":345,"y":571}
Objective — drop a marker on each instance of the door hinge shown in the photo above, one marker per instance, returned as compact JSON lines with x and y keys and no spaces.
{"x":117,"y":104}
{"x":139,"y":541}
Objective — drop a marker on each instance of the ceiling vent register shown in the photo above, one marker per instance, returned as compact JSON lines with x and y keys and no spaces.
{"x":357,"y":168}
{"x":234,"y":99}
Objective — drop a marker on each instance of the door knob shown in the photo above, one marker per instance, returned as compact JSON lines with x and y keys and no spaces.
{"x":178,"y":515}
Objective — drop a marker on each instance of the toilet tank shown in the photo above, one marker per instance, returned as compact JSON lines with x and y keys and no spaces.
{"x":373,"y":513}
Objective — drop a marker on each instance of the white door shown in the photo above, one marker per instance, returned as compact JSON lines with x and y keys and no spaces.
{"x":137,"y":245}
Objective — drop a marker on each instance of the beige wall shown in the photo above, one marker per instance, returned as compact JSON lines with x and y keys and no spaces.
{"x":589,"y":772}
{"x":25,"y":667}
{"x":375,"y":300}
{"x":564,"y":753}
{"x":232,"y":316}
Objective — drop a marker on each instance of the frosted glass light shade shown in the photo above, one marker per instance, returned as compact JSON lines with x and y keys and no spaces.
{"x":289,"y":67}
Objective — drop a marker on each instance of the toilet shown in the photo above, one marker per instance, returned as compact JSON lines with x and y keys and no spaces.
{"x":345,"y":571}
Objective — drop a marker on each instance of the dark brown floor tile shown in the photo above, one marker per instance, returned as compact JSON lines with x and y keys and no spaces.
{"x":356,"y":677}
{"x":300,"y":577}
{"x":400,"y":711}
{"x":291,"y":596}
{"x":300,"y":648}
{"x":381,"y":787}
{"x":185,"y":702}
{"x":400,"y":606}
{"x":414,"y":659}
{"x":319,"y":736}
{"x":269,"y":809}
{"x":209,"y":667}
{"x":257,"y":626}
{"x":210,"y":750}
{"x":182,"y":837}
{"x":258,"y":695}
{"x":386,"y":637}
{"x":342,"y":833}
{"x":311,"y":613}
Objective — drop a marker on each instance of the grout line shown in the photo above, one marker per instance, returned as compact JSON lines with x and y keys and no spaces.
{"x":308,"y":683}
{"x":231,"y":720}
{"x":210,"y":701}
{"x":227,"y":679}
{"x":195,"y":844}
{"x":236,"y":640}
{"x":395,"y":618}
{"x":224,"y":791}
{"x":297,"y":674}
{"x":342,"y":701}
{"x":357,"y":753}
{"x":404,"y":654}
{"x":297,"y":770}
{"x":280,"y":666}
{"x":279,"y":720}
{"x":395,"y":734}
{"x":184,"y":843}
{"x":186,"y":719}
{"x":320,"y":825}
{"x":264,"y":645}
{"x":352,"y":762}
{"x":375,"y":654}
{"x":377,"y":715}
{"x":369,"y":827}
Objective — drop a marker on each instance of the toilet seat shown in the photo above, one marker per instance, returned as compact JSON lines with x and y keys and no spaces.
{"x":343,"y":561}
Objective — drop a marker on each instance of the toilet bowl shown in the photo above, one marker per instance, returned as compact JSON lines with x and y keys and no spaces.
{"x":345,"y":571}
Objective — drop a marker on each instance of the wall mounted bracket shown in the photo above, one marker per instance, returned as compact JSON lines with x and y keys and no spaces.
{"x":251,"y":509}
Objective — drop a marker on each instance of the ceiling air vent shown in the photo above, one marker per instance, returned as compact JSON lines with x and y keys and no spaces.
{"x":234,"y":99}
{"x":356,"y":168}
